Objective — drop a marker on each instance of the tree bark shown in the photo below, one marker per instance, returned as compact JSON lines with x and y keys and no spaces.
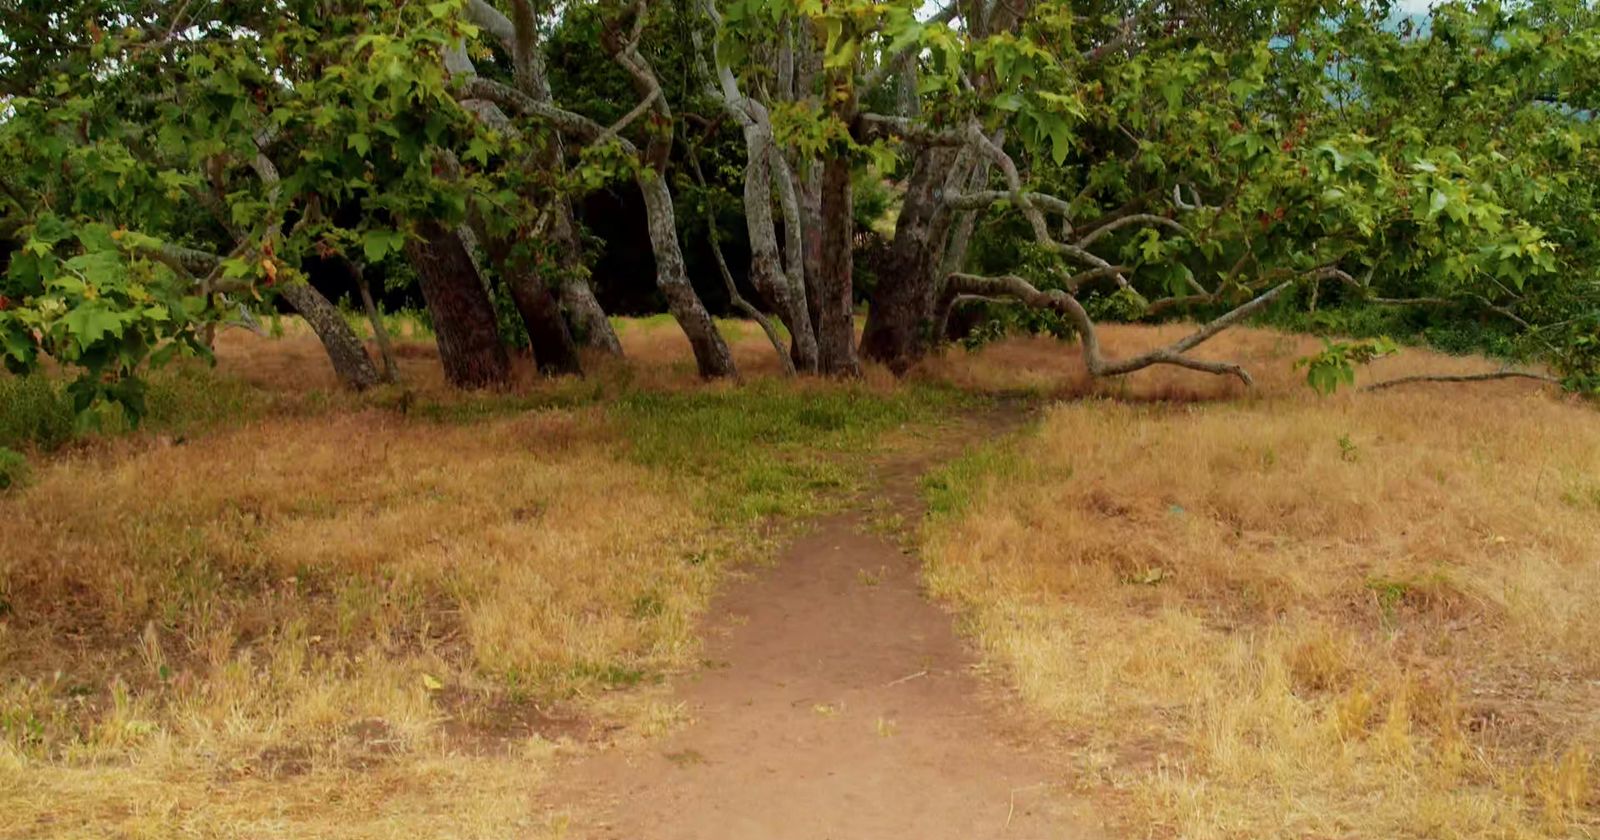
{"x":803,"y":347}
{"x":836,"y":333}
{"x":811,"y":250}
{"x":807,"y":68}
{"x":553,"y":348}
{"x":711,"y":353}
{"x":463,"y":316}
{"x":554,"y":351}
{"x":900,"y":320}
{"x":350,"y":360}
{"x":588,"y":323}
{"x":590,"y":326}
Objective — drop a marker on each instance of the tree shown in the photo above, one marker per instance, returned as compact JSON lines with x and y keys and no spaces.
{"x":1168,"y":159}
{"x":609,"y":152}
{"x":520,"y":255}
{"x":1088,"y":161}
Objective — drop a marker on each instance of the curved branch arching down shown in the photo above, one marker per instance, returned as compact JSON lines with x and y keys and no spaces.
{"x":959,"y":286}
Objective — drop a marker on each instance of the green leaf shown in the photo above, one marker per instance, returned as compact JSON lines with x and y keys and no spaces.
{"x":1437,"y":203}
{"x":377,"y":244}
{"x":91,"y":321}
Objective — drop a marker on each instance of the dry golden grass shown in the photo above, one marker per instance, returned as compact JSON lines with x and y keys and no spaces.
{"x":224,"y":633}
{"x":325,"y":616}
{"x":312,"y":614}
{"x":1373,"y":615}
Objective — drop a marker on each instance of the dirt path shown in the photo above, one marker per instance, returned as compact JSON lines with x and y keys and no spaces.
{"x":840,"y":704}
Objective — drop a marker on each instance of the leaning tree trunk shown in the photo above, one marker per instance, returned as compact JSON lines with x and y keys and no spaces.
{"x":900,"y":320}
{"x":553,"y":349}
{"x":350,"y":360}
{"x":589,"y":324}
{"x":836,"y":330}
{"x":711,"y":354}
{"x":463,"y":316}
{"x":767,"y":272}
{"x":380,"y":334}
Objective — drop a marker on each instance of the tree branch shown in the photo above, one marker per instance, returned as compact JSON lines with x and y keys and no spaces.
{"x":958,"y":285}
{"x":879,"y":126}
{"x":511,"y":99}
{"x":1470,"y":377}
{"x":1135,"y":219}
{"x":490,"y":20}
{"x":980,"y":199}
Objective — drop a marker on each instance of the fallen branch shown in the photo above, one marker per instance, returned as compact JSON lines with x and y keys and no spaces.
{"x":1467,"y":377}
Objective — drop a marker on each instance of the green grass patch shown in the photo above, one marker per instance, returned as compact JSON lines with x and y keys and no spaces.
{"x":192,"y":399}
{"x":403,"y":324}
{"x":36,"y":413}
{"x":951,"y":489}
{"x":769,"y":448}
{"x":621,"y":324}
{"x":467,"y":407}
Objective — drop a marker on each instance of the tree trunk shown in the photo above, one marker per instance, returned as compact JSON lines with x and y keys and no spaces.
{"x":553,"y":349}
{"x":711,"y":353}
{"x":803,"y":332}
{"x":811,"y":251}
{"x":350,"y":360}
{"x":589,"y":325}
{"x":836,"y":333}
{"x":899,"y":322}
{"x":589,"y":320}
{"x":463,"y":316}
{"x":391,"y":369}
{"x":766,"y":265}
{"x":672,"y":278}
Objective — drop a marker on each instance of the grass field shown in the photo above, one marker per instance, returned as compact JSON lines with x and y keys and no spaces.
{"x":280,"y":610}
{"x":1372,"y":615}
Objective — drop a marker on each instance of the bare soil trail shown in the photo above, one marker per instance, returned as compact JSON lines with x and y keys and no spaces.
{"x":837,"y":703}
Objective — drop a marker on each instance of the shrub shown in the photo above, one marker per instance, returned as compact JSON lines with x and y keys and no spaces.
{"x":13,"y":469}
{"x":34,"y":412}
